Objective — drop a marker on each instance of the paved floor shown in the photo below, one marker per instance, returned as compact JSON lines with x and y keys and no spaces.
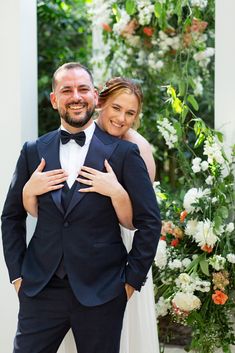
{"x":174,"y":349}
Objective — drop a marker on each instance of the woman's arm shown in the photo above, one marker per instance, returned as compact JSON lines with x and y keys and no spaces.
{"x":40,"y":183}
{"x":108,"y":185}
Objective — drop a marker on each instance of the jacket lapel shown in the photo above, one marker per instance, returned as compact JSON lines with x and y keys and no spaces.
{"x":101,"y":148}
{"x":48,"y":148}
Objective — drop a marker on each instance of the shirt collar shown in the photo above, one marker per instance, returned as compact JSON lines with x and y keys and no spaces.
{"x":88,"y":131}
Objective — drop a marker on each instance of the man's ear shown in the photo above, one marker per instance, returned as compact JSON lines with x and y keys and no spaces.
{"x":53,"y":100}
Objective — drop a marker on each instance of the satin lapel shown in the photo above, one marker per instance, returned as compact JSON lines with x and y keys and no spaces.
{"x":97,"y":153}
{"x":48,"y":147}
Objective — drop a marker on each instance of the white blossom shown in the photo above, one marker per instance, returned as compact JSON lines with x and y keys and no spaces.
{"x":146,"y":10}
{"x":198,"y":90}
{"x":209,"y":180}
{"x":175,"y":264}
{"x":191,"y":227}
{"x":196,"y":167}
{"x":186,"y":301}
{"x":217,"y":262}
{"x":193,"y":196}
{"x":230,"y":227}
{"x":121,"y":24}
{"x":204,"y":234}
{"x":202,"y":4}
{"x":168,"y":132}
{"x":231,"y":258}
{"x":186,"y":262}
{"x":162,"y":307}
{"x":213,"y":150}
{"x":204,"y":166}
{"x":161,"y":255}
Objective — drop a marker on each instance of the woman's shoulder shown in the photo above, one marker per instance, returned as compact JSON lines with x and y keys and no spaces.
{"x":135,"y":137}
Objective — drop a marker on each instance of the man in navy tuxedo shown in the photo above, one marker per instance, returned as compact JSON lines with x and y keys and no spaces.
{"x":75,"y":272}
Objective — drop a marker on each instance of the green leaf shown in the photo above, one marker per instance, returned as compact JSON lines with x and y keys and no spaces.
{"x":158,"y":9}
{"x":197,"y":128}
{"x":182,"y":87}
{"x":217,"y":221}
{"x":204,"y":267}
{"x":220,"y":136}
{"x":223,"y":211}
{"x":191,"y":82}
{"x":116,"y":12}
{"x":130,"y":7}
{"x":193,"y":102}
{"x":178,"y":128}
{"x":184,"y":113}
{"x":199,"y":141}
{"x":178,"y":11}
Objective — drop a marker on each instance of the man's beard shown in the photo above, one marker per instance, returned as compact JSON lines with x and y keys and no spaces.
{"x":78,"y":123}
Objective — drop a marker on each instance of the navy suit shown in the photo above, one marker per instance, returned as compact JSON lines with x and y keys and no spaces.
{"x":87,"y":234}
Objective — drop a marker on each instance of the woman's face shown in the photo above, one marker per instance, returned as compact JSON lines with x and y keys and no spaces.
{"x":119,"y":114}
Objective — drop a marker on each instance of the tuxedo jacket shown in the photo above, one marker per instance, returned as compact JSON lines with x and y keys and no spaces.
{"x":87,"y":234}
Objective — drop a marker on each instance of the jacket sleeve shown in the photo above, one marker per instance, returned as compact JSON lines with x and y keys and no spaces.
{"x":146,"y":218}
{"x":14,"y":219}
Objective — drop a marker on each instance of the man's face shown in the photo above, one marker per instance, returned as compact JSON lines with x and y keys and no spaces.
{"x":74,"y":97}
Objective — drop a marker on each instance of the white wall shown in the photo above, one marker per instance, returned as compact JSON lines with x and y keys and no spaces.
{"x":18,"y":122}
{"x":225,"y":70}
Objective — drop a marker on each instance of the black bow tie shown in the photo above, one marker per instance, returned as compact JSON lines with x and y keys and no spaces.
{"x":79,"y":138}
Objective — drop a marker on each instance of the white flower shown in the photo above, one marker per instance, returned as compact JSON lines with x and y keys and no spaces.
{"x":214,"y":199}
{"x":186,"y":301}
{"x":214,"y":151}
{"x":198,"y":90}
{"x":196,"y":165}
{"x":162,"y":307}
{"x":175,"y":264}
{"x":161,"y":255}
{"x":231,"y":258}
{"x":145,"y":9}
{"x":186,"y":262}
{"x":192,"y":196}
{"x":199,"y":3}
{"x":191,"y":227}
{"x":202,"y":286}
{"x":168,"y":132}
{"x":209,"y":180}
{"x":230,"y":227}
{"x":204,"y":166}
{"x":121,"y":24}
{"x":185,"y":283}
{"x":204,"y":234}
{"x":217,"y":262}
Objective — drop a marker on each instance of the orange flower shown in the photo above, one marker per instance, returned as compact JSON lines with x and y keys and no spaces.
{"x":207,"y":248}
{"x":163,"y":237}
{"x":130,"y":28}
{"x":219,"y":297}
{"x":198,"y":25}
{"x":106,"y":27}
{"x":175,"y":242}
{"x":148,"y":31}
{"x":183,"y":215}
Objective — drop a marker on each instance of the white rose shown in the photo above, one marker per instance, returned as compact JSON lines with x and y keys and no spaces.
{"x":186,"y":301}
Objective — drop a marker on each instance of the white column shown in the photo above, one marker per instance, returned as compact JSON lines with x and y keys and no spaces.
{"x":225,"y":70}
{"x":18,"y":101}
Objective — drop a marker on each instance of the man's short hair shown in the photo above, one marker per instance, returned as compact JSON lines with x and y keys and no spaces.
{"x":69,"y":66}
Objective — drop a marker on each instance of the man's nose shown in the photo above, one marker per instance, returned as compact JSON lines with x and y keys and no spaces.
{"x":76,"y":95}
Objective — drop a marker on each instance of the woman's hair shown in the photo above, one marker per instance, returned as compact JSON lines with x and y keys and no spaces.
{"x":118,"y":85}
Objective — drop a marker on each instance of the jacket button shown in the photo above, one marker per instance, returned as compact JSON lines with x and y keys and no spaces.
{"x":66,"y":224}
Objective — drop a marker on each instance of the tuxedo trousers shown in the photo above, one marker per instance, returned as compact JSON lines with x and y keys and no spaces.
{"x":44,"y":320}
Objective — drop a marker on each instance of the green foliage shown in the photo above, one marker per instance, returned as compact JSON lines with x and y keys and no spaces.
{"x":64,"y":35}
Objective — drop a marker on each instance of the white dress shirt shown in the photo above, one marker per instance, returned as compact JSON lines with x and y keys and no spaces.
{"x":72,"y":156}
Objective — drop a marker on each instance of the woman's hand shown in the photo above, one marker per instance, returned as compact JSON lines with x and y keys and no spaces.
{"x":42,"y":182}
{"x":107,"y":184}
{"x":103,"y":183}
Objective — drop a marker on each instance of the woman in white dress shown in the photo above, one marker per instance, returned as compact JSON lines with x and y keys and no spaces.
{"x":119,"y":106}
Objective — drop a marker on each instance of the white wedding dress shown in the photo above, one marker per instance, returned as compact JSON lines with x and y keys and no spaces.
{"x":139,"y":332}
